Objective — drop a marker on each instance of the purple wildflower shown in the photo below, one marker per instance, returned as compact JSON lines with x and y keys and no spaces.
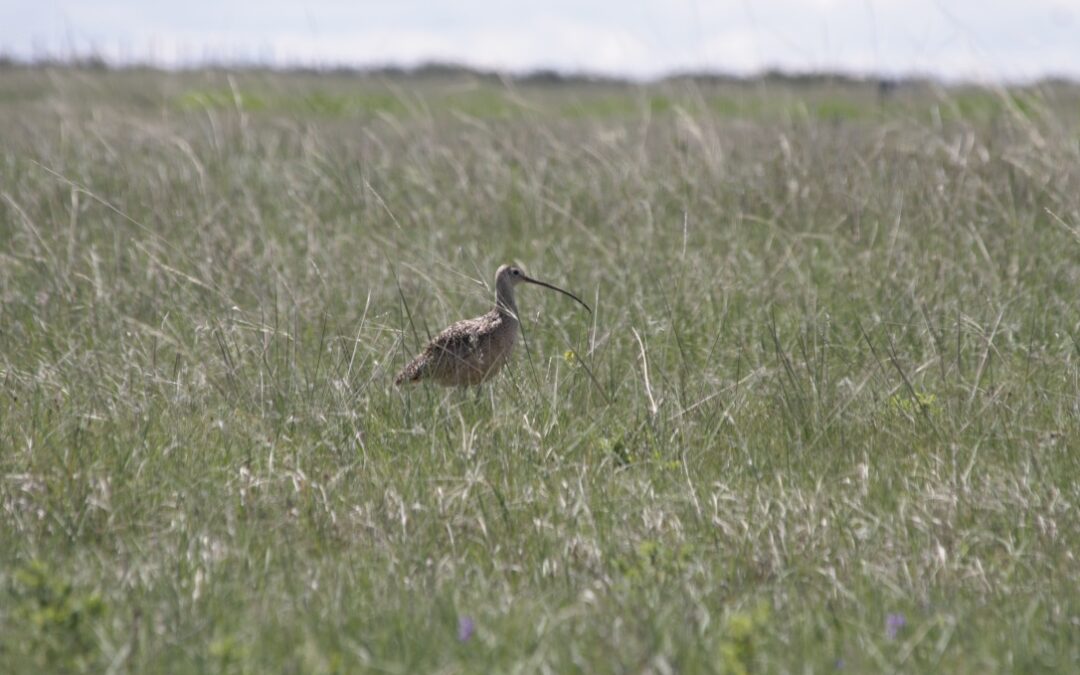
{"x":465,"y":628}
{"x":893,"y":624}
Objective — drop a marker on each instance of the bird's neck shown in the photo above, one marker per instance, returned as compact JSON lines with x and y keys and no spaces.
{"x":504,"y":301}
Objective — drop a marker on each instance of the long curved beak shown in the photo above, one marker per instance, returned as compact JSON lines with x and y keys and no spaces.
{"x":556,"y":288}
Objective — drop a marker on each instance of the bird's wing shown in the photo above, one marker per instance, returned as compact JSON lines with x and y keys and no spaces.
{"x":457,"y":340}
{"x":449,"y":349}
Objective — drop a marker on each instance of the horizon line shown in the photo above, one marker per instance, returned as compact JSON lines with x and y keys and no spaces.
{"x":539,"y":74}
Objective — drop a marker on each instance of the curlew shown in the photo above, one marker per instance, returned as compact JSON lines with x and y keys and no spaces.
{"x":471,"y":351}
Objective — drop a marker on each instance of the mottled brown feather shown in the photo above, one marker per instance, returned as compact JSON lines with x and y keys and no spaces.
{"x":468,"y":352}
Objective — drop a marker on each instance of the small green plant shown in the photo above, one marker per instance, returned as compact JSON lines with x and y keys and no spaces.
{"x":666,"y":464}
{"x":617,"y":448}
{"x":742,"y":639}
{"x":921,"y":404}
{"x":57,"y":619}
{"x":654,"y":561}
{"x":229,"y":653}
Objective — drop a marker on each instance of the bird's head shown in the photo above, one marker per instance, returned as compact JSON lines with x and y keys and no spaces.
{"x":509,"y":276}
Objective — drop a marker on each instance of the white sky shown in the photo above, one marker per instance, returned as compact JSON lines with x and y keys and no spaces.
{"x":970,"y":39}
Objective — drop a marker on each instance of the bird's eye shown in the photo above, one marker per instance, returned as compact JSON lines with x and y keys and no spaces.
{"x":516,"y":272}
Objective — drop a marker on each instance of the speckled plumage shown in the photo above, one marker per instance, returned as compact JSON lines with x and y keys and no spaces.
{"x":466,"y":353}
{"x":471,"y":351}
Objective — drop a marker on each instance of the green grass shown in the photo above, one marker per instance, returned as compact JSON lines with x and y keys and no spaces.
{"x":832,"y":376}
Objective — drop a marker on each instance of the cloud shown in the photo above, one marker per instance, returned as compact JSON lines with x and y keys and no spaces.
{"x":961,"y":38}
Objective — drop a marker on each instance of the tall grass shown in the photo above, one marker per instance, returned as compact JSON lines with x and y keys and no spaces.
{"x":825,"y":415}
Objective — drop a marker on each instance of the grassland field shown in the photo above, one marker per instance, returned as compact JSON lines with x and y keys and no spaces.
{"x":825,"y":417}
